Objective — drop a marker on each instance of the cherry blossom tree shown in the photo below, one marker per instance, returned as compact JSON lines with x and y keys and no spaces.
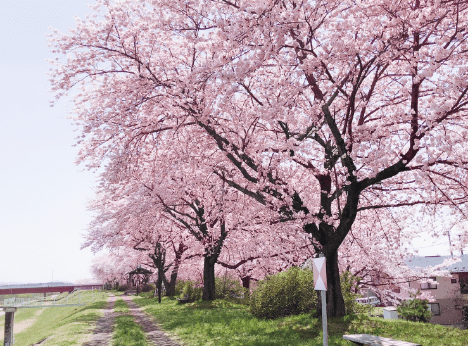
{"x":318,"y":110}
{"x":259,"y":253}
{"x":152,"y":204}
{"x":112,"y":268}
{"x":130,"y":225}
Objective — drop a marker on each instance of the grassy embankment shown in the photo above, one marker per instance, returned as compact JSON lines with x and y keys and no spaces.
{"x":223,"y":323}
{"x":126,"y":330}
{"x":60,"y":326}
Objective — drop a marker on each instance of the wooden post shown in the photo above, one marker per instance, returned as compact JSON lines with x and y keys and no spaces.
{"x":9,"y":322}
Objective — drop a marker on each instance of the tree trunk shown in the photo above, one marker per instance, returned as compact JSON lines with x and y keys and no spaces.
{"x":166,"y":284}
{"x":246,"y":282}
{"x":160,"y":274}
{"x":209,"y":278}
{"x":159,"y":260}
{"x":335,"y":301}
{"x":246,"y":285}
{"x":170,"y":285}
{"x":170,"y":289}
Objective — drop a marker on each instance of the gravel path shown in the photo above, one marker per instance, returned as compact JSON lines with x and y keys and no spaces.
{"x":103,"y":332}
{"x":153,"y":333}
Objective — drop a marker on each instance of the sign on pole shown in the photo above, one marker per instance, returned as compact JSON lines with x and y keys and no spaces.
{"x":320,"y":274}
{"x":320,"y":284}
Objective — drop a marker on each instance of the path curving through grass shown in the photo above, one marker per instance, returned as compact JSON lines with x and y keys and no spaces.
{"x":154,"y":334}
{"x":103,"y":331}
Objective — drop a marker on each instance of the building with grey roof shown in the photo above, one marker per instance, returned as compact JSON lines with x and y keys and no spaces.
{"x":450,"y":293}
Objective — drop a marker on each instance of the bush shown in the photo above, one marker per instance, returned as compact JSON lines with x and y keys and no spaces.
{"x":348,"y":287}
{"x":287,"y":293}
{"x":190,"y":290}
{"x":179,"y":287}
{"x":122,"y":288}
{"x":147,"y":288}
{"x":415,"y":310}
{"x":228,"y":288}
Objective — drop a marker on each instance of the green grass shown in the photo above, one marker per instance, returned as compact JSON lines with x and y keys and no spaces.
{"x":120,"y":306}
{"x":375,"y":311}
{"x":117,"y":293}
{"x":20,"y":315}
{"x":128,"y":332}
{"x":224,"y":323}
{"x":62,"y":326}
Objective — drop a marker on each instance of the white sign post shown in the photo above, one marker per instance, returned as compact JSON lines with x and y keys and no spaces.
{"x":320,"y":284}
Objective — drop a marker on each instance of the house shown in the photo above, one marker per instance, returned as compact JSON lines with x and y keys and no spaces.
{"x":450,"y":293}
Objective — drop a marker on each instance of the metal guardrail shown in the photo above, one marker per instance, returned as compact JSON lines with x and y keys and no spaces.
{"x":74,"y":298}
{"x":42,"y":284}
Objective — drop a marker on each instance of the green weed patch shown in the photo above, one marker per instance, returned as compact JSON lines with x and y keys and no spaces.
{"x":120,"y":306}
{"x":128,"y":332}
{"x":223,"y":323}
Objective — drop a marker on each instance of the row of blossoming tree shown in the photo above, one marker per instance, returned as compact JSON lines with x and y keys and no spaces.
{"x":241,"y":129}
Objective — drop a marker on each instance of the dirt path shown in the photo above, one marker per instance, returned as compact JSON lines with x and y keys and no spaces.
{"x":103,"y":332}
{"x":23,"y":325}
{"x":154,"y":334}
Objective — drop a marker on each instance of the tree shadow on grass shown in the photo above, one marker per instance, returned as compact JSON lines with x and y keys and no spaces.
{"x":96,"y":305}
{"x":89,"y":318}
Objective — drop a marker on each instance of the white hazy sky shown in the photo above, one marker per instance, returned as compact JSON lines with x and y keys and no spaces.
{"x":43,"y":194}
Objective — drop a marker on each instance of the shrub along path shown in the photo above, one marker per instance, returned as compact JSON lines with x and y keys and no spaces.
{"x":153,"y":333}
{"x":103,"y":331}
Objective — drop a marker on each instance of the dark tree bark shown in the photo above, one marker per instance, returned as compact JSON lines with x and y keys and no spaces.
{"x":198,"y":227}
{"x":335,"y":301}
{"x":246,"y":282}
{"x":209,"y":277}
{"x":210,"y":258}
{"x":170,"y":285}
{"x":159,"y":285}
{"x":159,"y":260}
{"x":246,"y":285}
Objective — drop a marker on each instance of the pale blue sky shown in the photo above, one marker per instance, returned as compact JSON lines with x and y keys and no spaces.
{"x":43,"y":193}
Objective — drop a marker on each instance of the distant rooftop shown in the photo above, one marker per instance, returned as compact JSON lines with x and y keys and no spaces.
{"x":430,"y":261}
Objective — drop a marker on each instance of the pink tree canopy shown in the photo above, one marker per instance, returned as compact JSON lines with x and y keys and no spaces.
{"x":318,"y":110}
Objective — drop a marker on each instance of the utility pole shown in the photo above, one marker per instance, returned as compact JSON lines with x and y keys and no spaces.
{"x":461,"y":247}
{"x":450,"y":243}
